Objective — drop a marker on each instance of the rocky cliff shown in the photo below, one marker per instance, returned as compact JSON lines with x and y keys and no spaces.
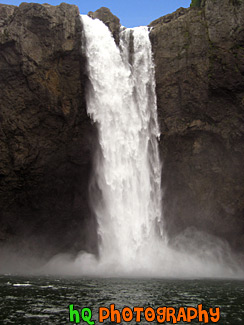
{"x":47,"y":139}
{"x":199,"y":57}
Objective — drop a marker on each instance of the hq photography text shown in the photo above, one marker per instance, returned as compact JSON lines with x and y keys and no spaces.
{"x":160,"y":314}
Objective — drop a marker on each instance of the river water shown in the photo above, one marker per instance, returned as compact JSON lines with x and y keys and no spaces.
{"x":46,"y":300}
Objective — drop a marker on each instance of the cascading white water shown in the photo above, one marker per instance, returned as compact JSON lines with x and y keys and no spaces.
{"x":122,"y":100}
{"x":126,"y":193}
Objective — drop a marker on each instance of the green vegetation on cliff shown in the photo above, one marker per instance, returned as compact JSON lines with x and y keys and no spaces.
{"x":195,"y":3}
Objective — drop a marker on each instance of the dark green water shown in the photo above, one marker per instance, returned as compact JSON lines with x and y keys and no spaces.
{"x":44,"y":300}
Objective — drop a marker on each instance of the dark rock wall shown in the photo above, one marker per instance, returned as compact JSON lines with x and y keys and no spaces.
{"x":46,"y":137}
{"x":199,"y":57}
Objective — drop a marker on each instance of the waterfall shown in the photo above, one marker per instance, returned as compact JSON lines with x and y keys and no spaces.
{"x":121,"y":100}
{"x":125,"y":191}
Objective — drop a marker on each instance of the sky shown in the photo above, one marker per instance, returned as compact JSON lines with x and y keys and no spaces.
{"x":130,"y":12}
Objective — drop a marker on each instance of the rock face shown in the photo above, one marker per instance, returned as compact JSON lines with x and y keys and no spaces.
{"x":199,"y":57}
{"x":46,"y":137}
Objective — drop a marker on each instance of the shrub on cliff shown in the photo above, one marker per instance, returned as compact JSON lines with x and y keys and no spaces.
{"x":195,"y":3}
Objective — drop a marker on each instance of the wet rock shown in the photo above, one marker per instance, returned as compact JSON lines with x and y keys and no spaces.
{"x":199,"y":81}
{"x":46,"y":137}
